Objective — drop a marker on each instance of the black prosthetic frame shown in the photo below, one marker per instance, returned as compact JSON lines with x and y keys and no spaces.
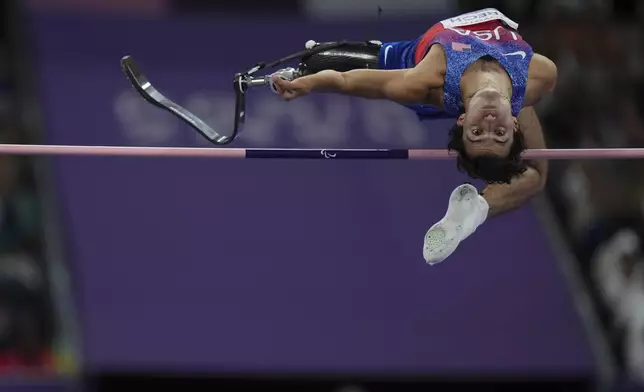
{"x":340,"y":56}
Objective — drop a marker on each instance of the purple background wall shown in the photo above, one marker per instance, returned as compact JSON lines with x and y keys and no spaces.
{"x":289,"y":266}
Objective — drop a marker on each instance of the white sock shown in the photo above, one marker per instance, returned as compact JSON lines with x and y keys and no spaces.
{"x":466,"y":211}
{"x":476,"y":219}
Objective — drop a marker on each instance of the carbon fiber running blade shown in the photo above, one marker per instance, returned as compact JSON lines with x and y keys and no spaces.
{"x":143,"y":86}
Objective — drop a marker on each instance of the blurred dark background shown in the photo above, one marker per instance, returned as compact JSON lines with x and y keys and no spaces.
{"x":592,"y":211}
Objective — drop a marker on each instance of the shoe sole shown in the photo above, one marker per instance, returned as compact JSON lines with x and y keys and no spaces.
{"x":442,"y":239}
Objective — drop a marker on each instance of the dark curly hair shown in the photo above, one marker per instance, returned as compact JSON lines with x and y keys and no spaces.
{"x":491,"y":169}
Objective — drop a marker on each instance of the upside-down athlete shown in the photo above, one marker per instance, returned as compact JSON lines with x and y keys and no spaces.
{"x":475,"y":68}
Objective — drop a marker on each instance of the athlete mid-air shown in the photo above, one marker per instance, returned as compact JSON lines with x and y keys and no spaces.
{"x":474,"y":67}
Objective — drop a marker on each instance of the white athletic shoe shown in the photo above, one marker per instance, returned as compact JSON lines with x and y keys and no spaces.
{"x":467,"y":210}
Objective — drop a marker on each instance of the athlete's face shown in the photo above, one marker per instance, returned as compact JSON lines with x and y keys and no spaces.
{"x":488,"y":125}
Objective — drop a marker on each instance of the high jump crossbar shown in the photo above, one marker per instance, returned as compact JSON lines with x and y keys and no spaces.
{"x":267,"y":153}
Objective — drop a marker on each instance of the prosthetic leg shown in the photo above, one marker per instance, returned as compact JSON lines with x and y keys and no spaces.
{"x":341,"y":59}
{"x":339,"y":56}
{"x":336,"y":56}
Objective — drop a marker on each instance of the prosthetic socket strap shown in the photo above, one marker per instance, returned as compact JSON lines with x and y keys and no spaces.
{"x":342,"y":59}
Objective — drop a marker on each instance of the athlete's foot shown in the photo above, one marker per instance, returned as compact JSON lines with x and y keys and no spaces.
{"x":466,"y":211}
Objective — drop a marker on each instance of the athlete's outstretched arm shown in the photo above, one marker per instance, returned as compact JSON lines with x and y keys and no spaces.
{"x":505,"y":197}
{"x":407,"y":86}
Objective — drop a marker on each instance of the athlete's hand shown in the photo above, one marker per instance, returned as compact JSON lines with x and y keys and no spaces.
{"x":291,"y":89}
